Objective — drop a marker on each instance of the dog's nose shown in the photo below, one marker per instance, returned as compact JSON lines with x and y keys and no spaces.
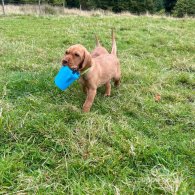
{"x":64,"y":62}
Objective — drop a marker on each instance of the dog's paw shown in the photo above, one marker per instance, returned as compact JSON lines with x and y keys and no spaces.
{"x":86,"y":109}
{"x":107,"y":95}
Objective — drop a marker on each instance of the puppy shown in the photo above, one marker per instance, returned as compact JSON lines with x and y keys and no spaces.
{"x":95,"y":70}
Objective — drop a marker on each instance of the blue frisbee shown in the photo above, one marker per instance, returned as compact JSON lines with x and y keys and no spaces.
{"x":66,"y":77}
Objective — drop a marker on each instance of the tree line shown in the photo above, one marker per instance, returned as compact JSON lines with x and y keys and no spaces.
{"x":178,"y":8}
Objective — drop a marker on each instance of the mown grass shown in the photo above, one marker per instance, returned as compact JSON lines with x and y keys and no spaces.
{"x":128,"y":143}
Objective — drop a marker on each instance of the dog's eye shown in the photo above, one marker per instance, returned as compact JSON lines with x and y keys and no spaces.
{"x":66,"y":52}
{"x":77,"y":55}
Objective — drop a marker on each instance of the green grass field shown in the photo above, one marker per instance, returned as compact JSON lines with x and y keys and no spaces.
{"x":128,"y":143}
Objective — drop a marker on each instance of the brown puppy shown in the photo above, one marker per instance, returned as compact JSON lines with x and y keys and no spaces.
{"x":99,"y":50}
{"x":100,"y":70}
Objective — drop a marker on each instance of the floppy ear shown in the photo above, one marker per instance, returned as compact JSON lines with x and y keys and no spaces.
{"x":86,"y":61}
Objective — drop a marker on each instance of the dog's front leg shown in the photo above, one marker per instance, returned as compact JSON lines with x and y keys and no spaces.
{"x":83,"y":86}
{"x":89,"y":101}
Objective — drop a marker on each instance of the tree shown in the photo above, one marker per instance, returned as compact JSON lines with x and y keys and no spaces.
{"x":87,"y":4}
{"x":105,"y":4}
{"x":72,"y":3}
{"x":158,"y":5}
{"x":149,"y":6}
{"x":169,"y":5}
{"x":184,"y":7}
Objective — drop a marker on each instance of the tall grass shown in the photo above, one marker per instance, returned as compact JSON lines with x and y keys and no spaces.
{"x":51,"y":10}
{"x":46,"y":9}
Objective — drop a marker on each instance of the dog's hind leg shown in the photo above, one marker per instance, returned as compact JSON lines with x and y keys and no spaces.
{"x":117,"y":77}
{"x":116,"y":82}
{"x":108,"y":89}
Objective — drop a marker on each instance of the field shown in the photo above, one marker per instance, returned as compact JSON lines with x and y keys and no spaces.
{"x":129,"y":143}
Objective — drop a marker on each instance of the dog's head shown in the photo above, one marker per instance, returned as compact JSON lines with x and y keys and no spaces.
{"x":77,"y":58}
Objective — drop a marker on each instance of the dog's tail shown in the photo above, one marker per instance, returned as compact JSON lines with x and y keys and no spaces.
{"x":114,"y":49}
{"x":97,"y":41}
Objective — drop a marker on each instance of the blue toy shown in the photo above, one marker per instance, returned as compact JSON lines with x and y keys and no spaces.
{"x":66,"y":77}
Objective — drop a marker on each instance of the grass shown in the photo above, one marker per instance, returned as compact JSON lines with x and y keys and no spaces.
{"x":45,"y":9}
{"x":128,"y":143}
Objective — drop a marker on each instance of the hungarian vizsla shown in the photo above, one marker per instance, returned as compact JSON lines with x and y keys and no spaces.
{"x":96,"y":69}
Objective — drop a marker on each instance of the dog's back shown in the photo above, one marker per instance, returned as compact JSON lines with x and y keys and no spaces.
{"x":99,"y":49}
{"x":107,"y":66}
